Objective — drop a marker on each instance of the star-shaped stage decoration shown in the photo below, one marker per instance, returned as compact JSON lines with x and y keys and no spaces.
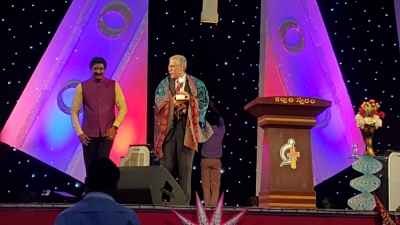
{"x":216,"y":218}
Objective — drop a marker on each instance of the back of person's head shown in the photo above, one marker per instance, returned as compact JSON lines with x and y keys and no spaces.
{"x":102,"y":175}
{"x":212,"y":118}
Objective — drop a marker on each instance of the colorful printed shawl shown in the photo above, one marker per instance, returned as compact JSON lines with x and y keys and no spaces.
{"x":198,"y":130}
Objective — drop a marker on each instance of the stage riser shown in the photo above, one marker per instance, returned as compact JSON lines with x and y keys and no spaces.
{"x":166,"y":217}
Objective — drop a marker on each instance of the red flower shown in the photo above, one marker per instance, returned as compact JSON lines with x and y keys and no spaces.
{"x":362,"y":112}
{"x":382,"y":114}
{"x":373,"y":112}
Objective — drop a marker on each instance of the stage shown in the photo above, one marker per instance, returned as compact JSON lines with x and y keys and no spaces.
{"x":45,"y":214}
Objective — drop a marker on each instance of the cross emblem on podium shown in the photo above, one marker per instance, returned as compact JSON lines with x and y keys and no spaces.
{"x":293,"y":157}
{"x":289,"y":158}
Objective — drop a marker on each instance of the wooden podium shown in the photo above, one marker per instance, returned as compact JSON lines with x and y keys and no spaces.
{"x":286,"y":170}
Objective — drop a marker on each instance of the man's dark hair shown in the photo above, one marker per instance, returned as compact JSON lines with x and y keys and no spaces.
{"x":97,"y":60}
{"x":102,"y":175}
{"x":212,"y":117}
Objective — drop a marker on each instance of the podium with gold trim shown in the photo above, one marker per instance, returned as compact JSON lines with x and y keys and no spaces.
{"x":286,"y":169}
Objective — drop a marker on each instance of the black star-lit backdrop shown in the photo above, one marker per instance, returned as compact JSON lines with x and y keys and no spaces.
{"x":27,"y":28}
{"x":364,"y":37}
{"x":224,"y":56}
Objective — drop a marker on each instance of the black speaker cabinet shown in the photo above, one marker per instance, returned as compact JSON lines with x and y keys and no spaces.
{"x":152,"y":185}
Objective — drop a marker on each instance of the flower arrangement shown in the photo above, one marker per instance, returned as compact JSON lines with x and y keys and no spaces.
{"x":368,"y":115}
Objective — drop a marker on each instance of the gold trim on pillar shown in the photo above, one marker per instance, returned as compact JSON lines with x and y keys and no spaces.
{"x":292,"y":205}
{"x":287,"y":197}
{"x":289,"y":120}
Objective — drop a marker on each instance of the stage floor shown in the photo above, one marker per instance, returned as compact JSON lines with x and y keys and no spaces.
{"x":45,"y":214}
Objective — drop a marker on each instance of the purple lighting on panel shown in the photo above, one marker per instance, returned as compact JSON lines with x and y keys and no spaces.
{"x":397,"y":10}
{"x":299,"y":61}
{"x":40,"y":124}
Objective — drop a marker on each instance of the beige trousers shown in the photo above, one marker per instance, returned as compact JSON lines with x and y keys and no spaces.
{"x":210,"y":180}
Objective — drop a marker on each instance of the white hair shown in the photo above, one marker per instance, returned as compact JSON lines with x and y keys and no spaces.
{"x":181,"y":60}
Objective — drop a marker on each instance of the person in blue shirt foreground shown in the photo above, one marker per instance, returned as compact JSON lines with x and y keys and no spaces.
{"x":98,"y":206}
